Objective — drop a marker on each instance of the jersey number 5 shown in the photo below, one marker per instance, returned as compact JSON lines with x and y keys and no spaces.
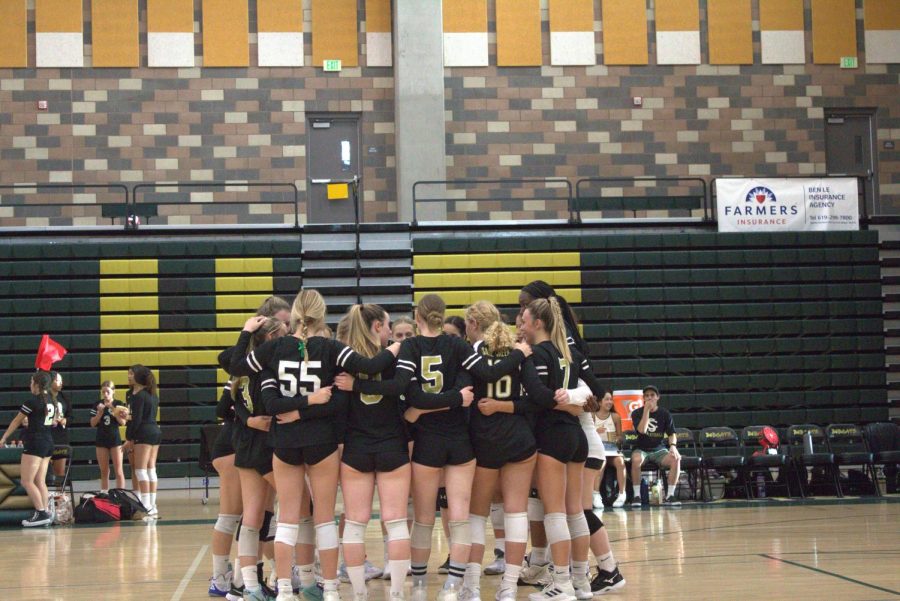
{"x":434,"y":379}
{"x":309,"y":383}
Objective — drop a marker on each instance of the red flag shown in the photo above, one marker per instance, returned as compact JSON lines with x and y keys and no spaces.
{"x":49,"y":352}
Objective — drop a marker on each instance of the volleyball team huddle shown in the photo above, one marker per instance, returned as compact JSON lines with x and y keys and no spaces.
{"x":306,"y":412}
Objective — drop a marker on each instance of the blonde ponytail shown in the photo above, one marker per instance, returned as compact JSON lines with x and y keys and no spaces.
{"x":550,"y":314}
{"x":496,"y":335}
{"x":359,"y":334}
{"x":307,"y":314}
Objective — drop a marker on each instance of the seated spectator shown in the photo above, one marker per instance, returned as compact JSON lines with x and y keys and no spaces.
{"x":656,"y":441}
{"x":609,"y":427}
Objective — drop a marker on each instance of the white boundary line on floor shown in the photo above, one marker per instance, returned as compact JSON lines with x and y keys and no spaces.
{"x":176,"y":596}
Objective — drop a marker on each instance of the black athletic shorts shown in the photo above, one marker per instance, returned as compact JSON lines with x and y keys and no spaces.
{"x":39,"y":447}
{"x":149,"y":434}
{"x":494,"y":454}
{"x":593,"y":463}
{"x":222,"y":446}
{"x":386,"y":461}
{"x":563,"y":443}
{"x":58,"y":453}
{"x":438,"y":451}
{"x":105,"y":442}
{"x":310,"y":455}
{"x":251,"y":451}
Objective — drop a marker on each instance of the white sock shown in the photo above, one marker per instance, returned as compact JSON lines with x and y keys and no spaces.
{"x":561,"y":574}
{"x":399,"y":568}
{"x":538,"y":556}
{"x":307,"y":575}
{"x":579,"y":570}
{"x":472,"y":578}
{"x":251,"y":580}
{"x":284,"y":586}
{"x":357,"y":576}
{"x":637,"y":491}
{"x":152,"y":499}
{"x":220,"y":565}
{"x":500,"y":545}
{"x":145,"y":499}
{"x":511,"y":576}
{"x":607,"y":563}
{"x":332,"y":585}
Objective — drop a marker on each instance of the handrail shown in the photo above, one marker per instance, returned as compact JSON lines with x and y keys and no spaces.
{"x":70,"y":186}
{"x":215,"y":184}
{"x":645,"y":178}
{"x":863,"y":216}
{"x":522,"y":180}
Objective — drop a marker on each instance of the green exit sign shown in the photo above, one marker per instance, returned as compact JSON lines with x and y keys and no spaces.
{"x":849,"y":62}
{"x":332,"y":65}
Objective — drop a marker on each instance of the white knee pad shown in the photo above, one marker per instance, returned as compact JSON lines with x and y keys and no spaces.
{"x":497,"y":516}
{"x":578,"y":525}
{"x":397,"y":530}
{"x":142,"y":475}
{"x":306,"y":533}
{"x":354,"y":533}
{"x":327,"y":536}
{"x":535,"y":510}
{"x":516,"y":527}
{"x":286,"y":534}
{"x":477,"y":524}
{"x":556,"y":527}
{"x":151,"y":475}
{"x":461,"y":532}
{"x":248,"y":544}
{"x":227,"y":524}
{"x":421,"y":535}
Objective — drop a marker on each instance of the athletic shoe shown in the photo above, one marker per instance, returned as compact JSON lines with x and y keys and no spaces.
{"x":342,"y":573}
{"x":636,"y":503}
{"x":259,"y":594}
{"x":154,"y":512}
{"x":671,"y":502}
{"x":555,"y":591}
{"x":40,"y":518}
{"x":372,"y":571}
{"x":235,"y":594}
{"x":419,"y":593}
{"x":448,"y":594}
{"x":313,"y":592}
{"x":498,"y":566}
{"x":396,"y":597}
{"x":469,"y":594}
{"x":331,"y":596}
{"x":363,"y":596}
{"x":445,"y":567}
{"x":582,"y":588}
{"x":598,"y":500}
{"x":620,"y":500}
{"x":286,"y":597}
{"x":606,"y":582}
{"x":536,"y":575}
{"x":219,"y":586}
{"x":505,"y":593}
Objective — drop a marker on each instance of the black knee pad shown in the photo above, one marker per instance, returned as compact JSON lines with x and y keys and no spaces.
{"x":594,"y":523}
{"x":266,"y":533}
{"x":441,"y":499}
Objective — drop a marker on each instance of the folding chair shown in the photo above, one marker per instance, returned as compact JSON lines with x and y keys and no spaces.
{"x":884,"y":442}
{"x":721,"y":449}
{"x":780,"y":461}
{"x":62,"y":483}
{"x":692,"y":465}
{"x":208,"y":435}
{"x":850,"y":447}
{"x":821,"y":455}
{"x":628,"y":447}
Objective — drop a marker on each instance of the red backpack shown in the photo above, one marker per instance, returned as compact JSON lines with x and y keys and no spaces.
{"x":94,"y":509}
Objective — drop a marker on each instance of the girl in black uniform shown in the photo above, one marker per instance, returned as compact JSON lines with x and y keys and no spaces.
{"x":431,"y":361}
{"x":505,"y":454}
{"x":562,"y":446}
{"x":107,"y":416}
{"x":144,"y":434}
{"x":60,"y":429}
{"x":297,"y":391}
{"x":40,"y":411}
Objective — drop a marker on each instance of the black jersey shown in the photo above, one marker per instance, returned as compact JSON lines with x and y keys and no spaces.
{"x":63,"y":408}
{"x":144,"y":407}
{"x":545,"y":373}
{"x":107,"y":427}
{"x":374,"y":422}
{"x":225,"y":406}
{"x":432,"y":364}
{"x":499,"y":426}
{"x":289,"y":380}
{"x":40,"y":413}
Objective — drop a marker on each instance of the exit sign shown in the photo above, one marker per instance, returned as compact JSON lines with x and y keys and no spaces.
{"x":849,"y":62}
{"x":332,"y":65}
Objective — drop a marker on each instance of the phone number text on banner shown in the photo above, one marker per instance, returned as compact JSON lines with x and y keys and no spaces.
{"x":764,"y":205}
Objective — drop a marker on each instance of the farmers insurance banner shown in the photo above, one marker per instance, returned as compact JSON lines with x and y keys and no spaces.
{"x":763,"y":205}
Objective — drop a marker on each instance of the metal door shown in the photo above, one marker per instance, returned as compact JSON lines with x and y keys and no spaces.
{"x":850,"y":149}
{"x":332,"y":165}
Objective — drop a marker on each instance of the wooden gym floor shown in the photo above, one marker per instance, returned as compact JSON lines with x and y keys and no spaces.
{"x":776,"y":550}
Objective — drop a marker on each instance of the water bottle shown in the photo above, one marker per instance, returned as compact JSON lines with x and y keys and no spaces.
{"x":656,"y":493}
{"x":807,"y":443}
{"x":760,"y":486}
{"x":645,"y":492}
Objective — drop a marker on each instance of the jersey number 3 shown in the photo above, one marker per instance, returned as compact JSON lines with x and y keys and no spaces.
{"x":308,"y":384}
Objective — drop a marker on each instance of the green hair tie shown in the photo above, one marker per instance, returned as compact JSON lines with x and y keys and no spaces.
{"x":301,"y":346}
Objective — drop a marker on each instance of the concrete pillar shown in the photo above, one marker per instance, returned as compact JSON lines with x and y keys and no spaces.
{"x":419,"y":104}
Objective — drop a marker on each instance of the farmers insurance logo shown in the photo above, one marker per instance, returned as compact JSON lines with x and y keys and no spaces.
{"x":761,"y":202}
{"x":760,"y":195}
